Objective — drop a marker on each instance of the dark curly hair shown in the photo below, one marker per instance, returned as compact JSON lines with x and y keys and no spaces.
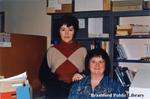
{"x":69,"y":20}
{"x":94,"y":53}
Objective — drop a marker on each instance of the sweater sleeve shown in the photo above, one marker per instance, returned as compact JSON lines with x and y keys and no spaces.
{"x":47,"y":78}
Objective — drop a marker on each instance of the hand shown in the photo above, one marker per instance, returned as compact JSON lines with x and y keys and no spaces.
{"x":77,"y":77}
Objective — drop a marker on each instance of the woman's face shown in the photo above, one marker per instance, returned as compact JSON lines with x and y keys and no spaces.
{"x":97,"y":65}
{"x":67,"y":33}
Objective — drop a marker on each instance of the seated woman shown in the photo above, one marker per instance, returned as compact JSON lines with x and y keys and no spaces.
{"x":97,"y":84}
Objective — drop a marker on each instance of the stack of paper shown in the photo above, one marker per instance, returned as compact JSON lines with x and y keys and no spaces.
{"x":14,"y":85}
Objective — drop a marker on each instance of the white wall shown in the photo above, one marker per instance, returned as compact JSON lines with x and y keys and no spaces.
{"x":27,"y":17}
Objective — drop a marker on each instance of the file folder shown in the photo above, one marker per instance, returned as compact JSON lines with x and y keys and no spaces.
{"x":23,"y":92}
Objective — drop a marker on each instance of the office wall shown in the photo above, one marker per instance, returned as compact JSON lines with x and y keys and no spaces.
{"x":25,"y":55}
{"x":0,"y":5}
{"x":27,"y":17}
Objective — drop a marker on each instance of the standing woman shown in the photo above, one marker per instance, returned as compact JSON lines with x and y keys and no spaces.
{"x":64,"y":62}
{"x":98,"y":84}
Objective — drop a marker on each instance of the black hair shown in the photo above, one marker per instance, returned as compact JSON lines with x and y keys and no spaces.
{"x":97,"y":52}
{"x":69,"y":20}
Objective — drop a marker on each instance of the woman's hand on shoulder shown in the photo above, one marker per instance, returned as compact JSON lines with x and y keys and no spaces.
{"x":77,"y":76}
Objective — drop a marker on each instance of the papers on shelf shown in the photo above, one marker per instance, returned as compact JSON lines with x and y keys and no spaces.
{"x":91,"y":5}
{"x":66,"y":1}
{"x":95,"y":28}
{"x":57,"y":4}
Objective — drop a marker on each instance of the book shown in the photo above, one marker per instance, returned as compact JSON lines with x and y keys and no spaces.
{"x":100,"y":44}
{"x":147,"y":59}
{"x":127,"y":3}
{"x":139,"y":28}
{"x":122,"y":33}
{"x":140,"y":33}
{"x":123,"y":30}
{"x":119,"y":76}
{"x":127,"y":26}
{"x":107,"y":47}
{"x":122,"y":76}
{"x":128,"y":8}
{"x":130,"y":74}
{"x":121,"y":52}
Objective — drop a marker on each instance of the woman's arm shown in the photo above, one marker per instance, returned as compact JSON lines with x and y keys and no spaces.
{"x":46,"y":77}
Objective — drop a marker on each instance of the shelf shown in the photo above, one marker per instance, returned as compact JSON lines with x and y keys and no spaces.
{"x":86,"y":14}
{"x":133,"y":37}
{"x":93,"y":14}
{"x":133,"y":61}
{"x":132,"y":13}
{"x":89,"y":39}
{"x":107,"y":13}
